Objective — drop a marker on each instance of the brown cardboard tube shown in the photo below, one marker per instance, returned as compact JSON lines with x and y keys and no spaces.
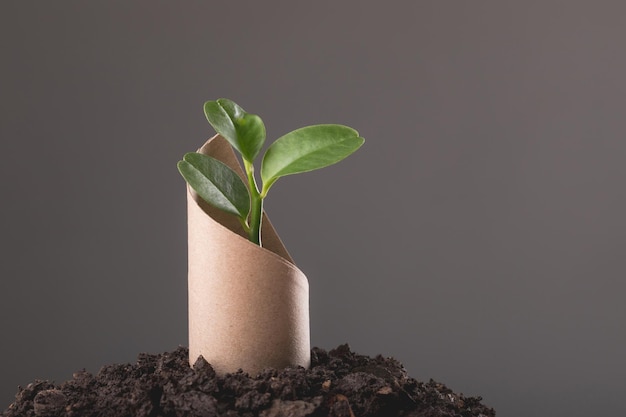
{"x":248,"y":305}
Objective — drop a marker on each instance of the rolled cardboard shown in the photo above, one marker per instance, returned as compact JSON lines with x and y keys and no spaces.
{"x":248,"y":305}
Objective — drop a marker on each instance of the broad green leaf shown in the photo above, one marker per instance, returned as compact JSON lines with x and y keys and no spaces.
{"x":216,"y":183}
{"x":307,"y":149}
{"x":244,"y":131}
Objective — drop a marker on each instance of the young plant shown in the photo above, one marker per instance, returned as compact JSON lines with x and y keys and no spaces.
{"x":305,"y":149}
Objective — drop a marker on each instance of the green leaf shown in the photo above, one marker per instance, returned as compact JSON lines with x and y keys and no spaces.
{"x":216,"y":183}
{"x":307,"y":149}
{"x":244,"y":131}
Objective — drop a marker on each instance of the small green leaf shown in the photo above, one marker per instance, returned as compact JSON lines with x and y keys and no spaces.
{"x":307,"y":149}
{"x":244,"y":131}
{"x":216,"y":183}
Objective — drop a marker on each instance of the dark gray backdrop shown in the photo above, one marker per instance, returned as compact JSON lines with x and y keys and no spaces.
{"x":478,"y":236}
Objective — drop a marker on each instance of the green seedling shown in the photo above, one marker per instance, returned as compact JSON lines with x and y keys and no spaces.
{"x":305,"y":149}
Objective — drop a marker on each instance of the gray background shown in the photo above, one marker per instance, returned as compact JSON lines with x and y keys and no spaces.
{"x":478,"y":236}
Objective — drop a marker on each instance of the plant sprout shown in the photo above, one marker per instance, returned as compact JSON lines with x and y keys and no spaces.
{"x":302,"y":150}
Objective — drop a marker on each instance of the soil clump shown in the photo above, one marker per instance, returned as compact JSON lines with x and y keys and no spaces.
{"x":339,"y":383}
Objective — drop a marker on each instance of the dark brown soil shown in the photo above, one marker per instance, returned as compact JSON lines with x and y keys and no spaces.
{"x":339,"y":383}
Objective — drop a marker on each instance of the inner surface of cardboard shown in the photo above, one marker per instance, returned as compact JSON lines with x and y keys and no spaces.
{"x":220,"y":149}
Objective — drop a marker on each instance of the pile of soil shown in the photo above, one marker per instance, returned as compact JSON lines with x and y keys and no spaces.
{"x":339,"y":383}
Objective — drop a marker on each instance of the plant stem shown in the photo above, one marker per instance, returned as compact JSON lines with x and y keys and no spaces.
{"x":256,"y":205}
{"x":256,"y":214}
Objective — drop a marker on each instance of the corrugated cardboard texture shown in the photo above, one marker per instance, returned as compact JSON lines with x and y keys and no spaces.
{"x":248,"y":306}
